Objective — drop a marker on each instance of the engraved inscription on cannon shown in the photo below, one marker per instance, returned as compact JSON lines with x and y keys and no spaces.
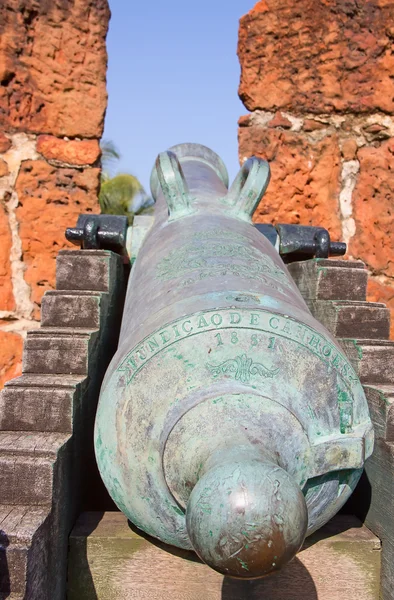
{"x":230,"y":422}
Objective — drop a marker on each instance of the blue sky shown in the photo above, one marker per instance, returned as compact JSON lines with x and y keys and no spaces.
{"x":173,"y":77}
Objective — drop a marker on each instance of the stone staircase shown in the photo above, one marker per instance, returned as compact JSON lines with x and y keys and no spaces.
{"x":46,"y":421}
{"x":109,"y":560}
{"x":47,"y":468}
{"x":335,"y":292}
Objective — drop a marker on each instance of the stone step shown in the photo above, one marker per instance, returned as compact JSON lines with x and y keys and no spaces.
{"x":22,"y":532}
{"x":381,"y":408}
{"x":108,"y":559}
{"x":27,"y":466}
{"x":348,"y":318}
{"x":89,"y":270}
{"x":72,"y":309}
{"x":40,"y":403}
{"x":376,"y":501}
{"x":58,"y":350}
{"x":328,"y":279}
{"x":373,"y":360}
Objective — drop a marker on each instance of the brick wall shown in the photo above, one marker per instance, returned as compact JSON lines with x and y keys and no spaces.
{"x":52,"y":105}
{"x":318,"y":78}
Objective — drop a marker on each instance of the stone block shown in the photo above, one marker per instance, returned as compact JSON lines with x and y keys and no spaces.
{"x":346,"y":319}
{"x":45,"y":467}
{"x":40,"y":403}
{"x":57,"y":351}
{"x":71,"y":309}
{"x":380,"y":514}
{"x":305,"y":176}
{"x":317,"y":57}
{"x":26,"y":466}
{"x":87,"y":270}
{"x":21,"y":548}
{"x":72,"y":152}
{"x":108,"y":559}
{"x":381,"y":409}
{"x":53,"y":67}
{"x":373,"y":360}
{"x":329,"y":279}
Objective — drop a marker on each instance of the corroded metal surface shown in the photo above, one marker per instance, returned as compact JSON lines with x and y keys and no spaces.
{"x":229,"y":421}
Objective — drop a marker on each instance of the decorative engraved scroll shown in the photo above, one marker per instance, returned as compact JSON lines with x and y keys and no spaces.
{"x":242,"y":368}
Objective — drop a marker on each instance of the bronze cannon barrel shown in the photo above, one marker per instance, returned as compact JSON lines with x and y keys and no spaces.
{"x":230,"y":422}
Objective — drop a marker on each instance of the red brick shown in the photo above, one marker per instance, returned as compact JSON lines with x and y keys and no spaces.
{"x":53,"y":66}
{"x":318,"y":57}
{"x":73,"y":152}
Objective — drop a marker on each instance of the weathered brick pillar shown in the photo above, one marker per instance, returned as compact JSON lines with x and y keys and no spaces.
{"x":318,"y":80}
{"x":52,"y":104}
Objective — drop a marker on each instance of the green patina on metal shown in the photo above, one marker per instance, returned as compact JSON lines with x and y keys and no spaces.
{"x":383,"y":397}
{"x":230,"y":421}
{"x":264,"y":321}
{"x":243,"y":564}
{"x":242,"y":368}
{"x":198,"y":257}
{"x":345,"y":403}
{"x":358,"y":348}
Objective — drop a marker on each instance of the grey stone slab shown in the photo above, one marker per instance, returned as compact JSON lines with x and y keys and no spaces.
{"x":54,"y":470}
{"x":380,"y":515}
{"x":85,"y":270}
{"x":373,"y":360}
{"x":58,"y":353}
{"x":26,"y":466}
{"x":68,"y":381}
{"x":37,"y":408}
{"x":381,"y":408}
{"x":348,"y":318}
{"x":22,"y":533}
{"x":326,"y":279}
{"x":72,"y":310}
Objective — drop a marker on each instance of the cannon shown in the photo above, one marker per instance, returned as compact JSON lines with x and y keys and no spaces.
{"x":230,"y":422}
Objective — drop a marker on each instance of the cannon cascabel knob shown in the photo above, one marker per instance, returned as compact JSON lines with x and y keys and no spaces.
{"x":246,"y":518}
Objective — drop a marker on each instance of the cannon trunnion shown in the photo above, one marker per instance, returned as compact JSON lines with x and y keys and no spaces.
{"x":230,"y":422}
